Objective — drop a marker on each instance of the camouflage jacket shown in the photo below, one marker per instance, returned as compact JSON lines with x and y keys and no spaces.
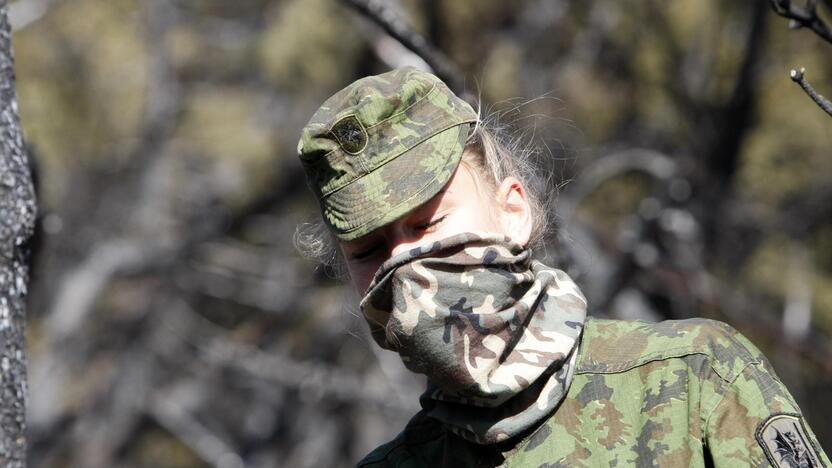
{"x":676,"y":393}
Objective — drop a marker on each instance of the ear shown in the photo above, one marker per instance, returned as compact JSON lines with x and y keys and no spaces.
{"x":515,"y":213}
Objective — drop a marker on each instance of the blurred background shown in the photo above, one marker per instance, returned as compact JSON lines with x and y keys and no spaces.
{"x":173,"y":324}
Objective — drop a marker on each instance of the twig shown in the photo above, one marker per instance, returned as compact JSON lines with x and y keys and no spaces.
{"x":799,"y":78}
{"x":82,"y":285}
{"x":381,"y":14}
{"x":803,"y":17}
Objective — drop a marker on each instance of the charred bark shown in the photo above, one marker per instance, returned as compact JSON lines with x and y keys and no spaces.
{"x":17,"y":219}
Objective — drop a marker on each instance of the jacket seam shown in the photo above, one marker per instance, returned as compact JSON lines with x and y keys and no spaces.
{"x":583,"y":344}
{"x":625,"y":366}
{"x":721,"y":400}
{"x":671,"y":353}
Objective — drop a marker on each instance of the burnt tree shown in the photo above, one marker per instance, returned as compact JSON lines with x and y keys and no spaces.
{"x":17,"y":219}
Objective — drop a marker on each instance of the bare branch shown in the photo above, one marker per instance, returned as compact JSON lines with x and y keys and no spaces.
{"x":803,"y":17}
{"x":23,"y":14}
{"x":314,"y":379}
{"x":74,"y":300}
{"x":381,"y":14}
{"x":799,"y":78}
{"x":163,"y":100}
{"x":658,"y":165}
{"x":173,"y":416}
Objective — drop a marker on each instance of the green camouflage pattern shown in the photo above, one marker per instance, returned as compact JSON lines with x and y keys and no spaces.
{"x":677,"y":393}
{"x":491,"y":328}
{"x":381,"y":147}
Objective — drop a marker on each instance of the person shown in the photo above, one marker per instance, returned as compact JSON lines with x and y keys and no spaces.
{"x":435,"y":222}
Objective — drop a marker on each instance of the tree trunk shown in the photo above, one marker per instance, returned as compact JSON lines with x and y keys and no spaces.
{"x":17,"y":219}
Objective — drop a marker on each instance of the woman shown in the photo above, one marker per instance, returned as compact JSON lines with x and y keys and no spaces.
{"x":434,"y":221}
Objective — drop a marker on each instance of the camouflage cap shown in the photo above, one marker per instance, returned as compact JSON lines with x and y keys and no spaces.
{"x":382,"y":146}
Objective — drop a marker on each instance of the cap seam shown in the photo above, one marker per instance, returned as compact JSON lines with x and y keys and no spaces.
{"x":389,"y":160}
{"x":362,"y":156}
{"x":430,"y":91}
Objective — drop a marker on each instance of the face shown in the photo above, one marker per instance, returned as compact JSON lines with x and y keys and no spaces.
{"x":465,"y":204}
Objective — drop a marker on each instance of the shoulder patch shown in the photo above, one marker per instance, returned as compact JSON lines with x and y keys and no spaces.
{"x":786,"y":443}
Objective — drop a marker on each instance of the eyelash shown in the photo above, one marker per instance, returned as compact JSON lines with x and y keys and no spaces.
{"x":368,"y":252}
{"x":430,"y":224}
{"x":364,"y":254}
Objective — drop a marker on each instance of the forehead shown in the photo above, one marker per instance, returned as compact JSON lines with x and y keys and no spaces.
{"x":464,"y":186}
{"x":464,"y":190}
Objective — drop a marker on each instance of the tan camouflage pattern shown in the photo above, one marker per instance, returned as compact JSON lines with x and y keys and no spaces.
{"x":677,"y":393}
{"x":492,"y":329}
{"x":381,"y":147}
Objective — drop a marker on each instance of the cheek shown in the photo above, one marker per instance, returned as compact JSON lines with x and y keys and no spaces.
{"x":361,"y":274}
{"x":483,"y":216}
{"x":473,"y":218}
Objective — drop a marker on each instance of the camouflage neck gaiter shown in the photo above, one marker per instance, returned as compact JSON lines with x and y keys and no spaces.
{"x":493,"y":330}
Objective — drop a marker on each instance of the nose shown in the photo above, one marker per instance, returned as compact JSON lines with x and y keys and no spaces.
{"x":400,"y":248}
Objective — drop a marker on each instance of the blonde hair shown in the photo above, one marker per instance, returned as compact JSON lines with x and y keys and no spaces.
{"x":493,"y":154}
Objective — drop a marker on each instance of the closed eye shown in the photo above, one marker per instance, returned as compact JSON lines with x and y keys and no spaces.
{"x":365,"y":253}
{"x":430,"y":224}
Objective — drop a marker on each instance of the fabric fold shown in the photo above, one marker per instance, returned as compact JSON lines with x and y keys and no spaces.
{"x":493,"y":330}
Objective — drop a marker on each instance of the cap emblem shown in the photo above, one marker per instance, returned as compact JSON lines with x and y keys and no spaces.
{"x":351,"y":135}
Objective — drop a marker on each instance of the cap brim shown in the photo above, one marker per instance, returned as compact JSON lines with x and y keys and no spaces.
{"x":397,"y":187}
